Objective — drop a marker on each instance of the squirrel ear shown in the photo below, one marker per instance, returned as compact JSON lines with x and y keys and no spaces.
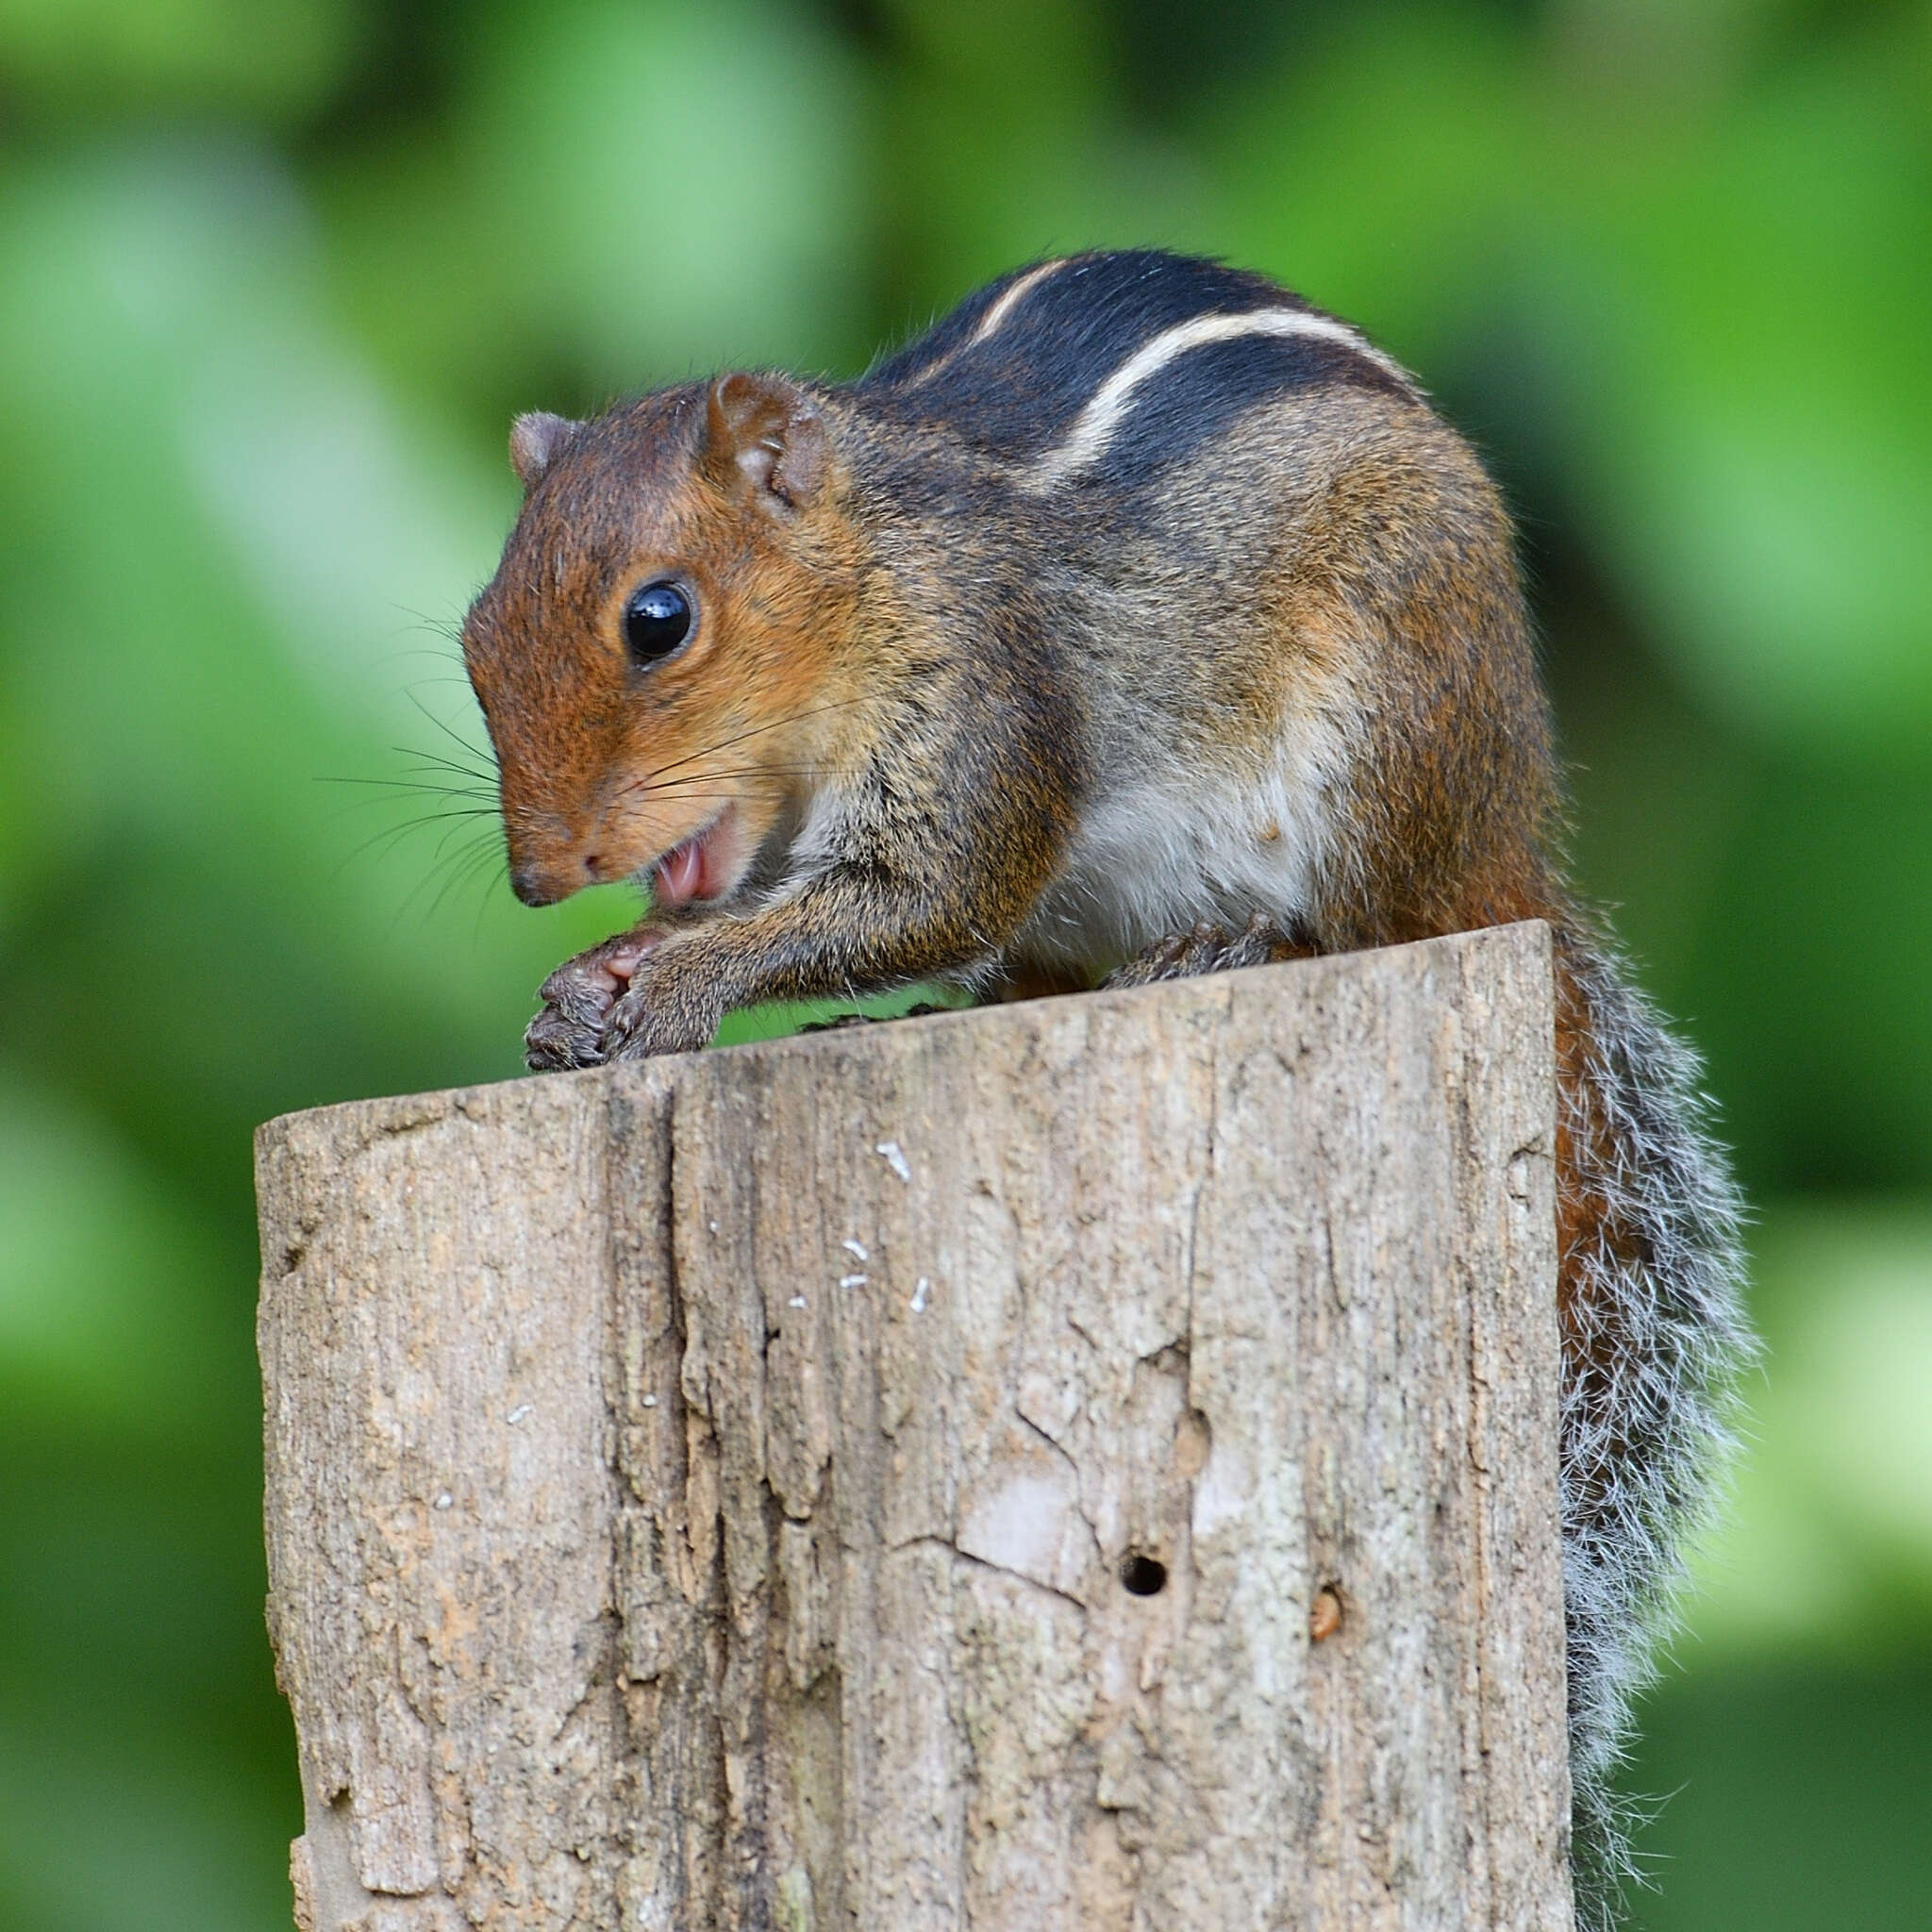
{"x":533,"y":441}
{"x":767,"y":431}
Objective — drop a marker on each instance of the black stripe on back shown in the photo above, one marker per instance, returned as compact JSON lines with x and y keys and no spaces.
{"x":1022,"y":391}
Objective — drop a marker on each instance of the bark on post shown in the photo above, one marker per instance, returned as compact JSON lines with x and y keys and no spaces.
{"x":889,"y":1479}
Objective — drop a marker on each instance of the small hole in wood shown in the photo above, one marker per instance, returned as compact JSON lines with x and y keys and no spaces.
{"x":1325,"y":1614}
{"x":1142,"y":1575}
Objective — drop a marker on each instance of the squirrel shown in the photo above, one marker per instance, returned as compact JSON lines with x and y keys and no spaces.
{"x":1139,"y":619}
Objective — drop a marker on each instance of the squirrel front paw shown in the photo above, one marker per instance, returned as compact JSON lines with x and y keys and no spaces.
{"x":579,"y":999}
{"x":662,"y":1011}
{"x":1209,"y":949}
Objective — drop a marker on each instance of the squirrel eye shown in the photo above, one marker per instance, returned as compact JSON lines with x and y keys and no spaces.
{"x":656,"y":621}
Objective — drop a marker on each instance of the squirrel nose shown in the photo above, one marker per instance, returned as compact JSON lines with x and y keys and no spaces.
{"x":527,"y":884}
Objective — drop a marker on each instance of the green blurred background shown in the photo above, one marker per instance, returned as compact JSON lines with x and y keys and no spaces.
{"x":274,"y":275}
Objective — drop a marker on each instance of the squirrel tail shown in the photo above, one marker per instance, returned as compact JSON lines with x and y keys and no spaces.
{"x":1655,"y":1338}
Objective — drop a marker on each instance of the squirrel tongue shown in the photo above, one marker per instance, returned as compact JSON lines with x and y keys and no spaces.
{"x":680,"y":873}
{"x":700,"y":868}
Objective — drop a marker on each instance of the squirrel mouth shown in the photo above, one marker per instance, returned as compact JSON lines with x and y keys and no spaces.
{"x":699,"y":867}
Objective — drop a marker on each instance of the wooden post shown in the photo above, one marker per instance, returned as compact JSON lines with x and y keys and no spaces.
{"x":1086,"y":1464}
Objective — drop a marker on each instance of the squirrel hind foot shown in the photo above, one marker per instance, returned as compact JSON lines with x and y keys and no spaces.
{"x":1210,"y":948}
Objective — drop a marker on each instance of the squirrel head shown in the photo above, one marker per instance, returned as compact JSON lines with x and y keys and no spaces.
{"x":658,"y":644}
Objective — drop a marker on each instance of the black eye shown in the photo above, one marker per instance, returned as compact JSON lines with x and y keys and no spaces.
{"x":656,"y":621}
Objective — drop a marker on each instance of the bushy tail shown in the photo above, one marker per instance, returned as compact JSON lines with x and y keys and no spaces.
{"x":1655,"y":1339}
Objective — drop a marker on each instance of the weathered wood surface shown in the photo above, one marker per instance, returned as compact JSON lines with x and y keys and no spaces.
{"x":699,"y":1492}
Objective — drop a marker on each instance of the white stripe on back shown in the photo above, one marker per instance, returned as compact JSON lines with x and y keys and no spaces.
{"x":994,"y":318}
{"x":1111,"y":401}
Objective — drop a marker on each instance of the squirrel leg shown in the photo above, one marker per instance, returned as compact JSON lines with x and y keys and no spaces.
{"x":847,"y":931}
{"x":1210,"y":948}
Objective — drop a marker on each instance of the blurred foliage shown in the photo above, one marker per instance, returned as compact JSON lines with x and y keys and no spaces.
{"x":274,"y":276}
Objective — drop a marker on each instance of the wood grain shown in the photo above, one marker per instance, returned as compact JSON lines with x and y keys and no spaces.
{"x":706,"y":1493}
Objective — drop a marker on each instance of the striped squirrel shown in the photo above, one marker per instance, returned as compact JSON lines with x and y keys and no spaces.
{"x":1139,"y":619}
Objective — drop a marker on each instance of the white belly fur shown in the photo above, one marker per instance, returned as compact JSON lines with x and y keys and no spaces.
{"x":1155,"y":857}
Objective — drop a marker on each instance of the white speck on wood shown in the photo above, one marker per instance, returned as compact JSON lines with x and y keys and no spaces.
{"x":920,"y":1289}
{"x":853,"y":1280}
{"x":858,"y":1249}
{"x":896,"y":1159}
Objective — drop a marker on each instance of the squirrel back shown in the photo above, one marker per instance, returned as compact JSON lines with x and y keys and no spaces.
{"x":1280,"y":590}
{"x":1137,"y":619}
